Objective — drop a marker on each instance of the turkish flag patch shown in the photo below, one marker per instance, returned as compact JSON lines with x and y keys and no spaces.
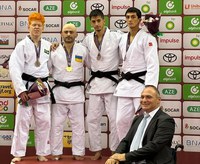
{"x":150,"y":44}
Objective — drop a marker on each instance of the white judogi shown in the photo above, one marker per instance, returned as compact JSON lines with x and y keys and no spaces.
{"x":22,"y":61}
{"x":69,"y":102}
{"x":141,"y":56}
{"x":101,"y":89}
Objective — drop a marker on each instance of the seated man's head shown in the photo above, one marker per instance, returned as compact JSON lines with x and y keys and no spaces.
{"x":150,"y":98}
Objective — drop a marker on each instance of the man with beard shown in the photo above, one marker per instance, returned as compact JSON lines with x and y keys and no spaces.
{"x":67,"y":63}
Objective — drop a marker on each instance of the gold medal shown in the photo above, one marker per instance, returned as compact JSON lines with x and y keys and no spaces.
{"x":98,"y":57}
{"x":37,"y":63}
{"x":69,"y":69}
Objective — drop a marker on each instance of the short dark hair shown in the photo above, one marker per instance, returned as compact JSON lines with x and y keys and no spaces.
{"x":134,"y":10}
{"x":95,"y":13}
{"x":154,"y":88}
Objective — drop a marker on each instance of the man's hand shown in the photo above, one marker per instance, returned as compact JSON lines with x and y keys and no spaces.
{"x":112,"y":161}
{"x":54,"y":46}
{"x":24,"y":96}
{"x":118,"y":157}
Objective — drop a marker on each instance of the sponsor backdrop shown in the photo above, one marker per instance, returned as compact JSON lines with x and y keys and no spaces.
{"x":179,"y":54}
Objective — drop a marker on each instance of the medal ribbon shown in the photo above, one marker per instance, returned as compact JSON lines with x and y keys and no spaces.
{"x":68,"y":56}
{"x":128,"y":42}
{"x":96,"y":41}
{"x":37,"y":50}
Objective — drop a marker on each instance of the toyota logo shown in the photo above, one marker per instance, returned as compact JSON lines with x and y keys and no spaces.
{"x":194,"y":75}
{"x":120,"y":23}
{"x":169,"y":57}
{"x":97,"y":6}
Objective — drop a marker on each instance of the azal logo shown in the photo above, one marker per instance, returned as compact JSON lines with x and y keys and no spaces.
{"x":170,"y":57}
{"x":50,"y":8}
{"x":194,"y":75}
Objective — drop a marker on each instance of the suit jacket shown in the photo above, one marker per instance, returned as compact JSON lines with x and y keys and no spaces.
{"x":156,"y":144}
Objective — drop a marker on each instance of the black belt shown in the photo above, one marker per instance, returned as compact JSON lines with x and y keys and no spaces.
{"x":30,"y":78}
{"x":135,"y":76}
{"x":67,"y":85}
{"x":101,"y":74}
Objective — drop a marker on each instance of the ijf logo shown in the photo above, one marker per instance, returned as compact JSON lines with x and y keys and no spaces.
{"x":194,"y":90}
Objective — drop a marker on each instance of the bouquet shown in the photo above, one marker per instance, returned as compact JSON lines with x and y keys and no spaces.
{"x":36,"y":90}
{"x":152,"y":23}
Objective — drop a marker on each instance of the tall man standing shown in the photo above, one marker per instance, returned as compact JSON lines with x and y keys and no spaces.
{"x":28,"y":62}
{"x":140,"y":67}
{"x":67,"y":63}
{"x":103,"y":50}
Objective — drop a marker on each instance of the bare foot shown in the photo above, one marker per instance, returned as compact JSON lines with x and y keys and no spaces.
{"x":78,"y":157}
{"x":42,"y":158}
{"x":16,"y":159}
{"x":97,"y":156}
{"x":56,"y":157}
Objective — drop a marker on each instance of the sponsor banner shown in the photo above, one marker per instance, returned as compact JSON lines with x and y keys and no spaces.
{"x":170,"y":57}
{"x":191,"y":109}
{"x":191,"y":126}
{"x":96,"y":4}
{"x":170,"y":91}
{"x":170,"y":74}
{"x":7,"y":24}
{"x":191,"y":23}
{"x":191,"y":143}
{"x":79,"y":22}
{"x":173,"y":108}
{"x":6,"y":121}
{"x":119,"y":7}
{"x":104,"y":124}
{"x":191,"y":92}
{"x":172,"y":7}
{"x":7,"y":105}
{"x":191,"y":74}
{"x":6,"y":137}
{"x":170,"y":41}
{"x":170,"y":24}
{"x":73,"y":7}
{"x":22,"y":24}
{"x":89,"y":28}
{"x":176,"y":140}
{"x":31,"y":139}
{"x":50,"y":7}
{"x":146,"y":6}
{"x":25,"y":7}
{"x":7,"y":8}
{"x":4,"y":57}
{"x":6,"y":89}
{"x":104,"y":140}
{"x":191,"y":40}
{"x":67,"y":139}
{"x":177,"y":125}
{"x":118,"y":23}
{"x":52,"y":24}
{"x":7,"y":40}
{"x":52,"y":37}
{"x":191,"y":7}
{"x":191,"y":58}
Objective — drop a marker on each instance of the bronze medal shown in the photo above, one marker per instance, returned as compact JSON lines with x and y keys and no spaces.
{"x":37,"y":63}
{"x":98,"y":56}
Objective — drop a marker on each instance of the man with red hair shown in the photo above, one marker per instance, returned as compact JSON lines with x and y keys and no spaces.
{"x":28,"y":62}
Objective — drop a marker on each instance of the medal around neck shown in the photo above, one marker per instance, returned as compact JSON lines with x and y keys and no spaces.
{"x":37,"y":63}
{"x":69,"y":69}
{"x":98,"y":57}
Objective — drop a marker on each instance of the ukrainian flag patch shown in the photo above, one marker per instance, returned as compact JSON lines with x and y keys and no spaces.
{"x":78,"y":58}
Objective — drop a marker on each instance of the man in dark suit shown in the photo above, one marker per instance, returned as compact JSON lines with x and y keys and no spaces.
{"x":155,"y":145}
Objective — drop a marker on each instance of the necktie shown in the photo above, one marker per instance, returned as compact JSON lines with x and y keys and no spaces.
{"x":138,"y":135}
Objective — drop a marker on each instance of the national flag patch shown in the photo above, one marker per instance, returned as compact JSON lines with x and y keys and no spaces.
{"x":78,"y":58}
{"x":46,"y":51}
{"x":150,"y":44}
